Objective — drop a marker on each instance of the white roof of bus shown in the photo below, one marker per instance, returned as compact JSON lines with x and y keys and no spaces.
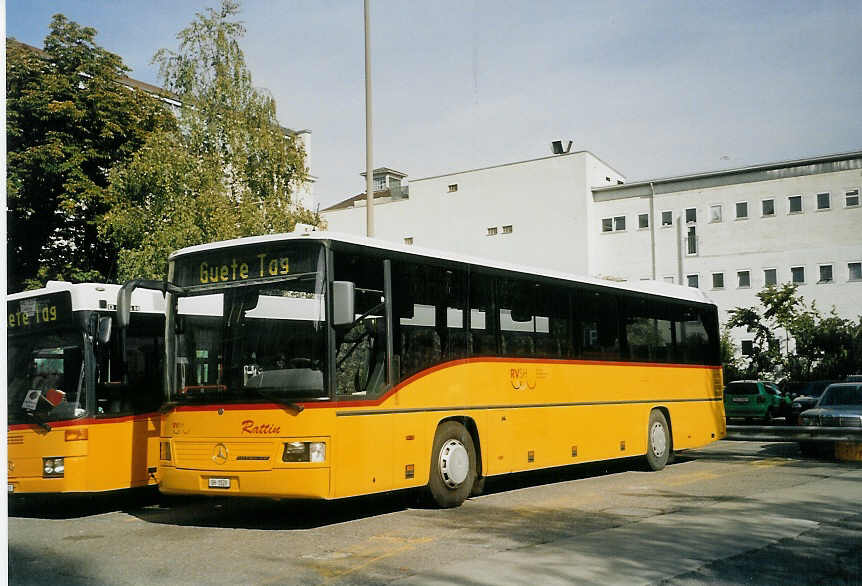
{"x":86,"y":296}
{"x":650,"y":287}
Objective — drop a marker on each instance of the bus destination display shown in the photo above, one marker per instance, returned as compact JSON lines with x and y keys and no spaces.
{"x":36,"y":313}
{"x":245,"y":264}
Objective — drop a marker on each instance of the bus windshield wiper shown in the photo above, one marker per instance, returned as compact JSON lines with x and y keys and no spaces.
{"x":39,"y":421}
{"x":279,"y":400}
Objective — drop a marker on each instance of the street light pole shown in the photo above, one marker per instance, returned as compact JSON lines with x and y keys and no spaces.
{"x":369,"y":164}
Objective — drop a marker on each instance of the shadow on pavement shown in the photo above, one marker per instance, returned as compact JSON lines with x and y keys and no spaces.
{"x":71,"y":506}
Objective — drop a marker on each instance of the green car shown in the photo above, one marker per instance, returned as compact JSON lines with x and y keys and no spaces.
{"x":755,"y":399}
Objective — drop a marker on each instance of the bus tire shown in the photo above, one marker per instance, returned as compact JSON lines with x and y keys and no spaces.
{"x":658,"y":441}
{"x":478,"y":486}
{"x":453,"y":465}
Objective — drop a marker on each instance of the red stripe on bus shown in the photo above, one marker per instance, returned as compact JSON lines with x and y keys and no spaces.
{"x":85,"y":421}
{"x":423,"y":373}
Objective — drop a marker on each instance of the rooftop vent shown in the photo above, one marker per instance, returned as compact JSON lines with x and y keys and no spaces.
{"x":557,"y":147}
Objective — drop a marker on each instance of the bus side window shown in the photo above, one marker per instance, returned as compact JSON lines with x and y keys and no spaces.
{"x":516,"y":306}
{"x":648,"y":330}
{"x":482,"y":330}
{"x":429,"y":308}
{"x":361,"y":349}
{"x":144,"y":351}
{"x":552,"y":322}
{"x":597,"y":326}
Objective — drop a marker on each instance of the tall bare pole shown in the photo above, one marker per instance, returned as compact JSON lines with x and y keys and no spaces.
{"x":369,"y":159}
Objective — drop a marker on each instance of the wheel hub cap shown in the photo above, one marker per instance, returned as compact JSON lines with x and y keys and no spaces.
{"x":659,"y":442}
{"x":454,"y":463}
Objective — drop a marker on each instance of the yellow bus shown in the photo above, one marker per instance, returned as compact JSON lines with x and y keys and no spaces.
{"x":320,"y":366}
{"x":77,"y":422}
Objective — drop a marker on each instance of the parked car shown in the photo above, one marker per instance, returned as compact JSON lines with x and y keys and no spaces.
{"x":754,"y":399}
{"x":854,"y":378}
{"x":808,"y":395}
{"x":840,"y":405}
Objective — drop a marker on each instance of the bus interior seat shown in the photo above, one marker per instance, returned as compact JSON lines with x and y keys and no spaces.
{"x":420,"y":348}
{"x":517,"y":344}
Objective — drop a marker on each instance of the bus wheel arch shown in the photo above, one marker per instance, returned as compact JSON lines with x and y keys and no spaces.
{"x":454,"y":463}
{"x":659,"y":439}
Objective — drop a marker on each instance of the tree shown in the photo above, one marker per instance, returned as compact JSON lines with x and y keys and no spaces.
{"x":827,"y":347}
{"x":229,"y":170}
{"x":69,"y":120}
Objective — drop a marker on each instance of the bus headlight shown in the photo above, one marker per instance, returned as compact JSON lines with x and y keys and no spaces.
{"x":304,"y":452}
{"x":53,"y":467}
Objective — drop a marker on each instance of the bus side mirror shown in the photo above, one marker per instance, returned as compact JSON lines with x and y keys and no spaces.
{"x":343,"y":302}
{"x":104,"y":330}
{"x":124,"y":304}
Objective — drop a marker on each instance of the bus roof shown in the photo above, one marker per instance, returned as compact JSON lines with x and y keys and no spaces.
{"x":648,"y":287}
{"x":94,"y":296}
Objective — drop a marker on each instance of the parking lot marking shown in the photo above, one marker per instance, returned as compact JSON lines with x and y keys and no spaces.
{"x":691,"y":478}
{"x":372,"y":550}
{"x":769,"y":463}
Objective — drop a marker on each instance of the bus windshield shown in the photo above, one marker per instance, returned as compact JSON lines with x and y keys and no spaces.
{"x":45,"y":377}
{"x":260,"y":341}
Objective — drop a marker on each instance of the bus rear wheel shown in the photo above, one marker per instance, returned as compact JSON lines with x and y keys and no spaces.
{"x":658,"y":441}
{"x":453,"y":465}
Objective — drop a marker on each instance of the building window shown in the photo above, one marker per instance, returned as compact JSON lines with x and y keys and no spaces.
{"x":851,"y":198}
{"x":767,"y":207}
{"x":668,"y":279}
{"x":797,"y":275}
{"x":714,"y":214}
{"x":743,"y":279}
{"x":718,"y":280}
{"x":615,"y":224}
{"x":453,"y":188}
{"x":770,"y":277}
{"x":794,"y":203}
{"x":742,"y":210}
{"x":693,"y":281}
{"x":855,"y":271}
{"x":690,"y":215}
{"x":747,"y":347}
{"x":492,"y":231}
{"x":507,"y":229}
{"x":379,"y":183}
{"x":691,"y":241}
{"x":825,"y":274}
{"x":667,"y":218}
{"x":408,"y":240}
{"x":823,"y":202}
{"x":643,"y":221}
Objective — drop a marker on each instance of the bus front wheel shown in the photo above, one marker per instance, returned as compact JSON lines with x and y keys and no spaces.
{"x":658,"y":441}
{"x":453,"y":465}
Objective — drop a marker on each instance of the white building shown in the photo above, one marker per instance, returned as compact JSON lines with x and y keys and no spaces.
{"x":733,"y":232}
{"x":728,"y":232}
{"x":499,"y":212}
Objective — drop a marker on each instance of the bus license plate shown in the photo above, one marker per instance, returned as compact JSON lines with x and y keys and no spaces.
{"x":740,"y":400}
{"x":219,"y":482}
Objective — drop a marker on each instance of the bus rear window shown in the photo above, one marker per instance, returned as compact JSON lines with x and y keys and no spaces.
{"x":741,"y":389}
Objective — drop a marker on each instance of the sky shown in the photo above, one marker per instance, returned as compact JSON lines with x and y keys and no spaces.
{"x":654,"y":89}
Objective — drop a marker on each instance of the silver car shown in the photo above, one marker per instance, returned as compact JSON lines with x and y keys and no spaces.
{"x":840,"y":405}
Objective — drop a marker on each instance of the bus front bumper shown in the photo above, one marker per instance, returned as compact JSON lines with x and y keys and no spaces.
{"x":288,"y":483}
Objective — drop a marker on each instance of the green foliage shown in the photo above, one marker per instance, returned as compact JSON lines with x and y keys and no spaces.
{"x":826,"y":347}
{"x":732,"y":369}
{"x":228,"y":171}
{"x":68,"y":122}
